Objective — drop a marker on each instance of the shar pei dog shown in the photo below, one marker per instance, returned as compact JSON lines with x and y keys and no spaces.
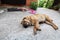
{"x":35,"y":20}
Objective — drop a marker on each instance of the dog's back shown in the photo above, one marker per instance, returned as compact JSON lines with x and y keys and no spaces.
{"x":38,"y":17}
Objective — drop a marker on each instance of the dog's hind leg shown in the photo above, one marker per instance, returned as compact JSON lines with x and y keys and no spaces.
{"x":52,"y":24}
{"x":48,"y":18}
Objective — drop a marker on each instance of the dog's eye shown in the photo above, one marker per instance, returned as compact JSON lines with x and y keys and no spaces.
{"x":24,"y":18}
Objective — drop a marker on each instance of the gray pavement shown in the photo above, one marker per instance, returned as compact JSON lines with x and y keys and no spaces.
{"x":11,"y":29}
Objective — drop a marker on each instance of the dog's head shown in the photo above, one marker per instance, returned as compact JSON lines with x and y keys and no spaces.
{"x":25,"y":22}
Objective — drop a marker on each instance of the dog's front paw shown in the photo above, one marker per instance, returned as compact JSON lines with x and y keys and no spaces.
{"x":38,"y":29}
{"x":35,"y":33}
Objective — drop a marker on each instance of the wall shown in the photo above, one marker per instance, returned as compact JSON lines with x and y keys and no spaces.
{"x":0,"y":1}
{"x":17,"y":2}
{"x":29,"y":1}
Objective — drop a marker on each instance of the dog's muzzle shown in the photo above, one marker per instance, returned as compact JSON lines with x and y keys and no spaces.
{"x":25,"y":25}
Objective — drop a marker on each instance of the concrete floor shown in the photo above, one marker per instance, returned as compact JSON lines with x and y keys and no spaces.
{"x":11,"y":29}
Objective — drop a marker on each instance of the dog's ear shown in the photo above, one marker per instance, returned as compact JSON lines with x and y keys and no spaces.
{"x":23,"y":19}
{"x":21,"y":22}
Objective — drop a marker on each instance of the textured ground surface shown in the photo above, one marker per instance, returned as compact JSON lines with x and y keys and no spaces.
{"x":11,"y":29}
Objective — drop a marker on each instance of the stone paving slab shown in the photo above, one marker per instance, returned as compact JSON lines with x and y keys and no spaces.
{"x":11,"y":29}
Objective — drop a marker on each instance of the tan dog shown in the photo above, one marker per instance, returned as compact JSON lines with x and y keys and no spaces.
{"x":36,"y":19}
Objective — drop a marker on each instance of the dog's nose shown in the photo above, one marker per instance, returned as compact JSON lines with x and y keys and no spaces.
{"x":25,"y":26}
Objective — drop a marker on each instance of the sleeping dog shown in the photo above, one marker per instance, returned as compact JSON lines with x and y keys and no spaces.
{"x":35,"y":20}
